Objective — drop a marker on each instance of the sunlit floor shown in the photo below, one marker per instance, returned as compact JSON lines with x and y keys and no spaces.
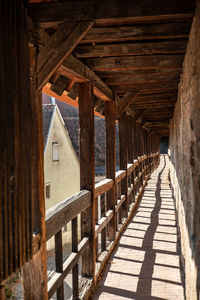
{"x":146,"y":263}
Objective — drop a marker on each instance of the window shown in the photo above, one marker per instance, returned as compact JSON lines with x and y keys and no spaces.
{"x":48,"y":190}
{"x":55,"y":151}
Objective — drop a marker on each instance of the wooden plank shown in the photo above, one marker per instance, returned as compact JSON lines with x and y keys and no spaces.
{"x":58,"y":278}
{"x":145,"y":78}
{"x":86,"y":121}
{"x":131,"y":167}
{"x":76,"y":70}
{"x":103,"y":186}
{"x":130,"y":189}
{"x":63,"y":212}
{"x":110,"y":117}
{"x":131,"y":49}
{"x":59,"y":262}
{"x":103,"y":222}
{"x":58,"y":47}
{"x":137,"y":33}
{"x":124,"y":102}
{"x":120,"y":175}
{"x":120,"y":202}
{"x":112,"y":12}
{"x":138,"y":74}
{"x":146,"y":62}
{"x":161,"y":85}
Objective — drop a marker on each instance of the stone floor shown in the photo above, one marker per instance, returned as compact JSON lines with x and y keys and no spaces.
{"x":146,"y":263}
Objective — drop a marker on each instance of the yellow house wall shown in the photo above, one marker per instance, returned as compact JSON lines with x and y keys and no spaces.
{"x":63,"y":175}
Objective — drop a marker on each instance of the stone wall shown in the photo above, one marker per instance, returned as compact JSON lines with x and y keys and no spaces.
{"x":185,"y":160}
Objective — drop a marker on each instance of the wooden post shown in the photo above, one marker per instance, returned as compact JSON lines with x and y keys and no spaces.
{"x":110,"y":116}
{"x":59,"y":262}
{"x":123,"y":139}
{"x":2,"y":292}
{"x":21,"y":142}
{"x":103,"y":213}
{"x":86,"y":120}
{"x":34,"y":272}
{"x":75,"y":249}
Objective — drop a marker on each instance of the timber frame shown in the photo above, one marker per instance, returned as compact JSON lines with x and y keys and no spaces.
{"x":121,"y":59}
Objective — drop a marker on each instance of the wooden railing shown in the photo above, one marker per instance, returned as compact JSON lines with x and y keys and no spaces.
{"x":134,"y":178}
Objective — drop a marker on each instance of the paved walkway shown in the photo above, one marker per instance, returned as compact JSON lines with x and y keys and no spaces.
{"x":146,"y":263}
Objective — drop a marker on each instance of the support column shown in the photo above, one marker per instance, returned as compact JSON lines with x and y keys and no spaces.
{"x":22,"y":240}
{"x":123,"y":140}
{"x":110,"y":116}
{"x":87,"y":175}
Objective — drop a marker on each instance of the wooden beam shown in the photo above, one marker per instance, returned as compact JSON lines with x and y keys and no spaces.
{"x":58,"y":47}
{"x":86,"y":120}
{"x":165,"y":86}
{"x":137,"y":33}
{"x":110,"y":111}
{"x":124,"y":102}
{"x":123,"y":138}
{"x":60,"y":84}
{"x":146,"y":62}
{"x":65,"y":211}
{"x":139,"y":73}
{"x":131,"y":49}
{"x":76,"y":70}
{"x":142,"y":79}
{"x":110,"y":12}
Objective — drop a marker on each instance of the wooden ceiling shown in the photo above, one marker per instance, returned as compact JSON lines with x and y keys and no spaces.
{"x":131,"y":50}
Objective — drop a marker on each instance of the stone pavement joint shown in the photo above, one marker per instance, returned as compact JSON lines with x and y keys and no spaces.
{"x":146,"y":262}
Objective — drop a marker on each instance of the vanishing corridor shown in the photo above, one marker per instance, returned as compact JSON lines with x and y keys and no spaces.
{"x":146,"y":262}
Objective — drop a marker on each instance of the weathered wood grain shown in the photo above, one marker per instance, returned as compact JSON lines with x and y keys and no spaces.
{"x":59,"y":262}
{"x":77,"y":71}
{"x":58,"y":47}
{"x":142,"y":79}
{"x":60,"y":84}
{"x":63,"y":212}
{"x":153,"y":86}
{"x":103,"y":213}
{"x":103,"y":186}
{"x":134,"y":63}
{"x":58,"y":278}
{"x":75,"y":283}
{"x":110,"y":12}
{"x":103,"y":222}
{"x":120,"y":175}
{"x":86,"y":121}
{"x":123,"y":160}
{"x":110,"y":117}
{"x":124,"y":102}
{"x":137,"y":33}
{"x":131,"y":49}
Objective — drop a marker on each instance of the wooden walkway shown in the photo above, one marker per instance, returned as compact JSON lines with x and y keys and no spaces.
{"x":146,"y":263}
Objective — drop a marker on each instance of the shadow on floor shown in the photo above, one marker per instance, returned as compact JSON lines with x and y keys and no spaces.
{"x":146,"y":262}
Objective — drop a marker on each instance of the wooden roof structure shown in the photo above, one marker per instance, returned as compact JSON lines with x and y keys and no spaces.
{"x":132,"y":51}
{"x":129,"y":54}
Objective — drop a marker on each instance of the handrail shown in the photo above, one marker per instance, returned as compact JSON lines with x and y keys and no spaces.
{"x":63,"y":212}
{"x":119,"y":175}
{"x":69,"y":263}
{"x":68,"y":210}
{"x":103,"y":186}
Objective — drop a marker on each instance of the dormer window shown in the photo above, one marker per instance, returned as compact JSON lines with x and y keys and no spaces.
{"x":55,"y":151}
